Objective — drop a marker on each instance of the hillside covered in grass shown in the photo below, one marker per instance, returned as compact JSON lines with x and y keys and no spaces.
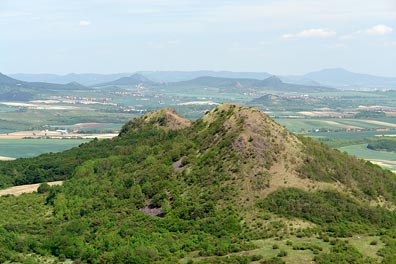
{"x":231,"y":187}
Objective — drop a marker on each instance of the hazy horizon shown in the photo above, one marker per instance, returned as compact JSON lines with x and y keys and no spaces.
{"x":199,"y":70}
{"x":286,"y":37}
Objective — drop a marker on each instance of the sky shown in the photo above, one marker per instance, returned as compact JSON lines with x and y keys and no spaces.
{"x":280,"y":37}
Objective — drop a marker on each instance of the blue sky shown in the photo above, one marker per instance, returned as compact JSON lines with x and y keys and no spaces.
{"x":281,"y":37}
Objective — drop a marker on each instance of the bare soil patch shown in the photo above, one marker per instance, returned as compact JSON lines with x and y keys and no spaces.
{"x":28,"y":188}
{"x":6,"y":158}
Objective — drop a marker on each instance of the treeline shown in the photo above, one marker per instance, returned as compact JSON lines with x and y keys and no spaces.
{"x":382,"y":145}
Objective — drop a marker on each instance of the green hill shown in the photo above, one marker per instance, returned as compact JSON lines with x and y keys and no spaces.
{"x":135,"y":79}
{"x":16,"y":90}
{"x":272,"y":83}
{"x":231,"y":187}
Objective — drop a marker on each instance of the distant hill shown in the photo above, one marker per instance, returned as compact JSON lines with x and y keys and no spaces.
{"x":211,"y":81}
{"x":231,"y":187}
{"x":82,"y":78}
{"x":299,"y":80}
{"x":13,"y":89}
{"x":132,"y":80}
{"x":271,"y":83}
{"x":177,"y":76}
{"x":6,"y":80}
{"x":341,"y":78}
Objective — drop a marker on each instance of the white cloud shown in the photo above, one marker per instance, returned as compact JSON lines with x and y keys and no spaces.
{"x":379,"y":30}
{"x":311,"y":33}
{"x":85,"y":23}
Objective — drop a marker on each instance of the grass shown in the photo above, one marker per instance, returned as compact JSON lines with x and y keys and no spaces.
{"x":293,"y":256}
{"x":24,"y":148}
{"x":266,"y":248}
{"x":362,"y":243}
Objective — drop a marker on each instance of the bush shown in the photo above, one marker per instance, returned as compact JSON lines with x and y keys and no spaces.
{"x":282,"y":253}
{"x":274,"y":260}
{"x":374,"y":243}
{"x":43,"y":188}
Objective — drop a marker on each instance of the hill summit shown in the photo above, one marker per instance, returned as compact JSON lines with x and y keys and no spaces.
{"x":212,"y":191}
{"x":135,"y":79}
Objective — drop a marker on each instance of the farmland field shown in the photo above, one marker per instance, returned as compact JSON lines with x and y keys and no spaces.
{"x":298,"y":124}
{"x":24,"y":148}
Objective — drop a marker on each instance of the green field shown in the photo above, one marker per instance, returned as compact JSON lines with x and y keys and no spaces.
{"x":385,"y":159}
{"x":361,"y":151}
{"x":24,"y":148}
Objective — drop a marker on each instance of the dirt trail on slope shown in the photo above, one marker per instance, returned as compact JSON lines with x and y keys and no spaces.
{"x":28,"y":188}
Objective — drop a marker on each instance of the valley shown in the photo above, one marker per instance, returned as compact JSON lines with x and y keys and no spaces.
{"x":336,"y":117}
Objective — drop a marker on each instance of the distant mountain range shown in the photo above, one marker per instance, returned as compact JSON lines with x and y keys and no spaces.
{"x":156,"y":76}
{"x":344,"y":79}
{"x":336,"y":77}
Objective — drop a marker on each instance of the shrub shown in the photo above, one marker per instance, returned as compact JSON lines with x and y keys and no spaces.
{"x":374,"y":242}
{"x":282,"y":253}
{"x":43,"y":188}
